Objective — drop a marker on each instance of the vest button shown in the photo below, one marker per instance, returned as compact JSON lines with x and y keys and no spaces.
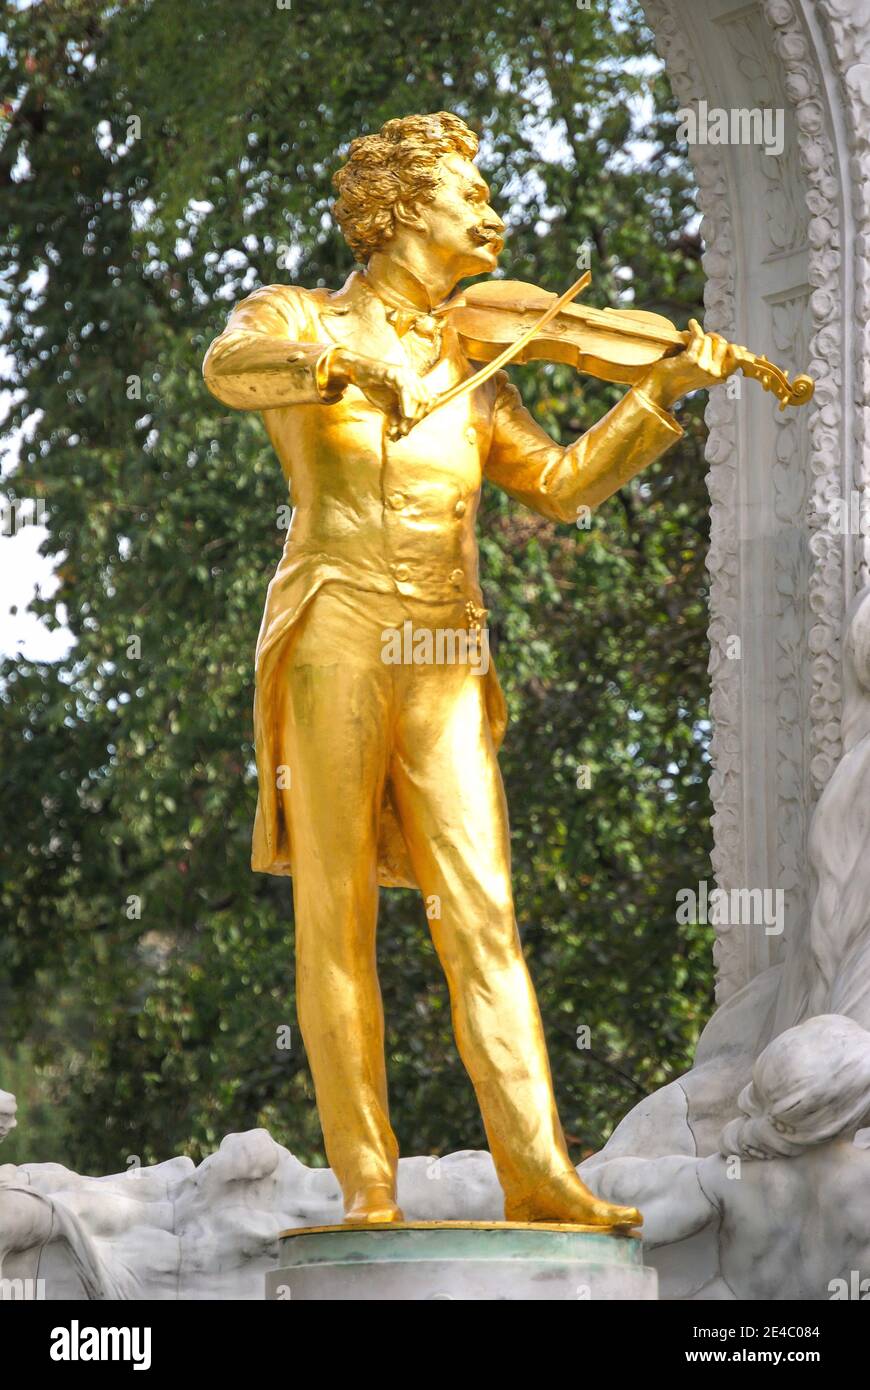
{"x":456,"y":577}
{"x":459,"y":509}
{"x":403,"y":574}
{"x":397,"y":501}
{"x":471,"y":434}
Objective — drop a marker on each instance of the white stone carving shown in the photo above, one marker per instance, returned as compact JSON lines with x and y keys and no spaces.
{"x":179,"y":1231}
{"x":796,"y":1159}
{"x":787,"y":243}
{"x":782,"y":1068}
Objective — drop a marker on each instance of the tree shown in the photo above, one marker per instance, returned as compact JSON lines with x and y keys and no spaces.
{"x":159,"y":160}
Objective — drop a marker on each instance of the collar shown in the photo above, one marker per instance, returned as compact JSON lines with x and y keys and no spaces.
{"x":397,"y":287}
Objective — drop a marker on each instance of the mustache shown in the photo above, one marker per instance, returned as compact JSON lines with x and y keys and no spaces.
{"x":487,"y":236}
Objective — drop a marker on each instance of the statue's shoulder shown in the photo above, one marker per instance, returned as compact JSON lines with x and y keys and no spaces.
{"x":288,"y":298}
{"x":294,"y":302}
{"x":291,"y":293}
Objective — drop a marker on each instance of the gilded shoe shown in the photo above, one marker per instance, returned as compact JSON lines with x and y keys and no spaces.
{"x":565,"y":1198}
{"x":373,"y":1205}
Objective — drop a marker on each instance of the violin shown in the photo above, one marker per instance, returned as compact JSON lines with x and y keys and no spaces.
{"x":501,"y":321}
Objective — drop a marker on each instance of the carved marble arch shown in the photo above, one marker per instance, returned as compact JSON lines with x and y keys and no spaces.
{"x":787,"y":245}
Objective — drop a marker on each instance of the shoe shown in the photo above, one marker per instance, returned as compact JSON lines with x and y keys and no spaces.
{"x":373,"y":1205}
{"x":564,"y":1198}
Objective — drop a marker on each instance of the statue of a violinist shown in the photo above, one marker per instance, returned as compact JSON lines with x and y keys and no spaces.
{"x":377,"y":772}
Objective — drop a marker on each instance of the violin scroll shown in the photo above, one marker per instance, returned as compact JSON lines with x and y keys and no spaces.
{"x":773,"y":378}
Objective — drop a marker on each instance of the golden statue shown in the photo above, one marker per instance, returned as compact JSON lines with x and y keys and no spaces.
{"x":376,"y":771}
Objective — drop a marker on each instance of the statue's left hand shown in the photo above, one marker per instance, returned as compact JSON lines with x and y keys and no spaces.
{"x":706,"y":360}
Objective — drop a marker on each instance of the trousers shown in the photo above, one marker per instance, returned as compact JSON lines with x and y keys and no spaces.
{"x":353,"y":724}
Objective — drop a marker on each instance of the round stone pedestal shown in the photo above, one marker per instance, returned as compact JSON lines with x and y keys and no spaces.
{"x":459,"y":1260}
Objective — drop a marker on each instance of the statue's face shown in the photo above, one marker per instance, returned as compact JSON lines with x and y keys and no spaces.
{"x":459,"y":226}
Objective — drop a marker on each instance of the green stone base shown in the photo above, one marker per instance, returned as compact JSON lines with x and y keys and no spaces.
{"x":459,"y":1260}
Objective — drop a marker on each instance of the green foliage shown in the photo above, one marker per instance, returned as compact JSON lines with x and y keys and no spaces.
{"x":130,"y":777}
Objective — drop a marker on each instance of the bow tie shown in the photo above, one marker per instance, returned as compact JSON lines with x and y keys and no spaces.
{"x":412,"y":321}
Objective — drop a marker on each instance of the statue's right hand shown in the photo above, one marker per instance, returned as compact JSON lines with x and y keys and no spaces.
{"x":399,"y":392}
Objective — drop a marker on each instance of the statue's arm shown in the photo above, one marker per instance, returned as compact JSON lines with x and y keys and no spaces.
{"x":668,"y":1191}
{"x":265,"y":356}
{"x":556,"y":480}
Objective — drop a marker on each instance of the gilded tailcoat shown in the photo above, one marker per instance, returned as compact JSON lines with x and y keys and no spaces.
{"x":391,"y":517}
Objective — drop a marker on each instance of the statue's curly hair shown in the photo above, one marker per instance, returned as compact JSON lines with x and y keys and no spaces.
{"x":400,"y":161}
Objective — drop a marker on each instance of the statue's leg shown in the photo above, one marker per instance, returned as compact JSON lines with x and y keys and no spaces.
{"x":334,"y":738}
{"x":449,"y":795}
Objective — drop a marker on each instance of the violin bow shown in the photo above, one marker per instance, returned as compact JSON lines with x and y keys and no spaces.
{"x":470,"y":383}
{"x":772,"y":378}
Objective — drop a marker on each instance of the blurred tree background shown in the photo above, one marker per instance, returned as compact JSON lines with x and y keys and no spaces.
{"x":157,"y":161}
